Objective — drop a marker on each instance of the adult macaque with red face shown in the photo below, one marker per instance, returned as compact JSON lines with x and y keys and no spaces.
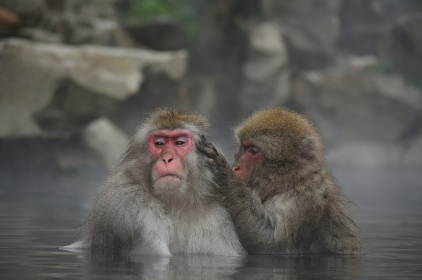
{"x":279,"y":192}
{"x":161,"y":198}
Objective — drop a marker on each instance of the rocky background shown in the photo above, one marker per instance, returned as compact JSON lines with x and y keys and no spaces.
{"x":76,"y":76}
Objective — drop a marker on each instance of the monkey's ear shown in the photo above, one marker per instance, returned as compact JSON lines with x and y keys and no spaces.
{"x":312,"y":148}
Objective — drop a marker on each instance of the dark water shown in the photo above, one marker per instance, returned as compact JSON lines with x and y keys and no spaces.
{"x":39,"y":211}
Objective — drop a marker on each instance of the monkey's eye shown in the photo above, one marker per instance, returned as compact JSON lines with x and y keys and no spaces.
{"x":179,"y":143}
{"x":254,"y":150}
{"x":181,"y":140}
{"x":158,"y":143}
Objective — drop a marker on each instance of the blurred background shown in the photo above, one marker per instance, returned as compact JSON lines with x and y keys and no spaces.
{"x":77,"y":77}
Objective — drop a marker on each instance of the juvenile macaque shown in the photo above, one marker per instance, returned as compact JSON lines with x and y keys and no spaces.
{"x":279,"y":192}
{"x":160,"y":199}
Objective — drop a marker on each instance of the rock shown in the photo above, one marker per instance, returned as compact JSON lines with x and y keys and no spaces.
{"x":266,"y":77}
{"x":273,"y":92}
{"x":9,"y":18}
{"x":261,"y":69}
{"x":265,"y":39}
{"x":219,"y":42}
{"x":412,"y":34}
{"x":87,"y":8}
{"x":39,"y":35}
{"x":158,"y":90}
{"x":311,"y":29}
{"x":199,"y":94}
{"x":72,"y":22}
{"x":106,"y":32}
{"x":109,"y":33}
{"x":72,"y":107}
{"x":58,"y":6}
{"x":362,"y":62}
{"x":402,"y":49}
{"x":362,"y":24}
{"x":106,"y":139}
{"x":268,"y":53}
{"x":24,"y":13}
{"x":358,"y":106}
{"x":25,"y":9}
{"x":160,"y":33}
{"x":31,"y":72}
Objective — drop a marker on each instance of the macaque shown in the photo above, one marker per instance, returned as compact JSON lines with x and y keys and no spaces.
{"x":279,"y":191}
{"x":161,"y":198}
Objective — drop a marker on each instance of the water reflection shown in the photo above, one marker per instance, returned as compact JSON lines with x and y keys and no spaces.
{"x":221,"y":267}
{"x":35,"y":221}
{"x":155,"y":267}
{"x":52,"y":263}
{"x":303,"y":267}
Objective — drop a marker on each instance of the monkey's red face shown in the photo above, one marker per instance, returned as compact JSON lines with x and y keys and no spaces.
{"x":169,"y":148}
{"x":250,"y":155}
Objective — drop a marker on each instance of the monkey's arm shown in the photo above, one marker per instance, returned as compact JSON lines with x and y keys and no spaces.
{"x":253,"y":223}
{"x":125,"y":218}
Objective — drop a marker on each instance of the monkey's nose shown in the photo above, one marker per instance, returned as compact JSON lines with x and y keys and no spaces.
{"x":235,"y":168}
{"x":167,"y":158}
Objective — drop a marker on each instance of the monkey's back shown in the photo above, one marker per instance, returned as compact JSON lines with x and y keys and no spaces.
{"x":313,"y":217}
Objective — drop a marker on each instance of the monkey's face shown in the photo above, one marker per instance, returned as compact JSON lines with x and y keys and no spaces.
{"x":170,"y":148}
{"x":249,"y":156}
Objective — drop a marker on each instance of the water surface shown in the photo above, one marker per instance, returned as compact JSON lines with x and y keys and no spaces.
{"x":40,"y":210}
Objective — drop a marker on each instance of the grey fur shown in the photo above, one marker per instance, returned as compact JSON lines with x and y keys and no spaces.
{"x":129,"y":216}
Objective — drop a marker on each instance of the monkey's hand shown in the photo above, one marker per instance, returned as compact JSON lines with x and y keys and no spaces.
{"x":217,"y":163}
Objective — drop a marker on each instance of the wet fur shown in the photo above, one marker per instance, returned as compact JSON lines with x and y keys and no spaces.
{"x":130,"y":215}
{"x":291,"y":204}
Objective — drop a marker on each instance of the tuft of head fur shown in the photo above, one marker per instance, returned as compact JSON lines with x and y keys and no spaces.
{"x":169,"y":118}
{"x":282,"y":135}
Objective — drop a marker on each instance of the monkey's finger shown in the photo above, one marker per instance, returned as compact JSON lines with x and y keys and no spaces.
{"x":208,"y":144}
{"x":207,"y":151}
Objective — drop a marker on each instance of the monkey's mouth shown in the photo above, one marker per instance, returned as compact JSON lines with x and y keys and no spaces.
{"x":170,"y":176}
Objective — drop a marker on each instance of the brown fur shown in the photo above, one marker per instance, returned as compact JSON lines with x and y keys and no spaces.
{"x":129,"y":216}
{"x":290,"y":204}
